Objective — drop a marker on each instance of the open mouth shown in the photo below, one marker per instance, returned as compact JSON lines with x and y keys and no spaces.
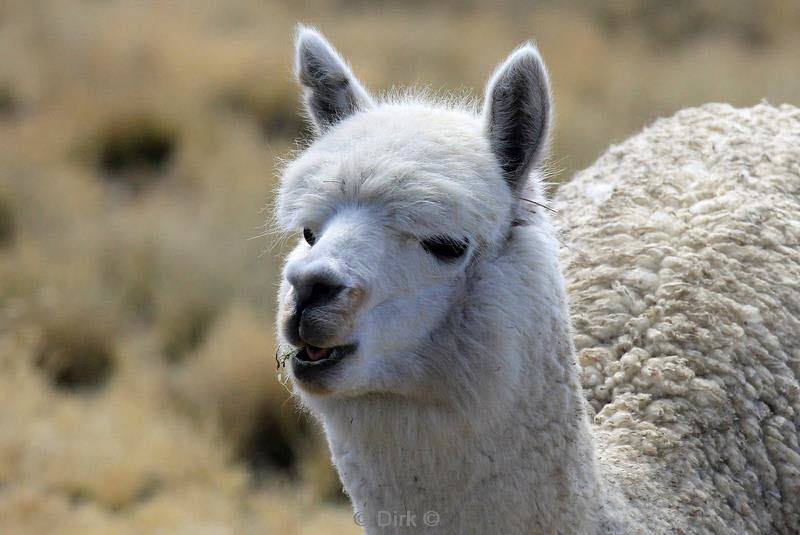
{"x":314,"y":353}
{"x":311,"y":360}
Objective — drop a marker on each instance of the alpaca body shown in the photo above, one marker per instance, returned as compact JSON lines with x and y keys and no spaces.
{"x":431,"y":335}
{"x":682,"y":254}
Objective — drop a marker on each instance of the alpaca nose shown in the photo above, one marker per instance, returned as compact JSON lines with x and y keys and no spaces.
{"x":321,"y":293}
{"x":316,"y":289}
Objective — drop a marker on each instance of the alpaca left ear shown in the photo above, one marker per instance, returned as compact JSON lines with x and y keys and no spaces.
{"x":331,"y":92}
{"x":517,"y":114}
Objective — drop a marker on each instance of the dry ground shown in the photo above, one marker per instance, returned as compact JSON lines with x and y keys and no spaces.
{"x":137,"y":148}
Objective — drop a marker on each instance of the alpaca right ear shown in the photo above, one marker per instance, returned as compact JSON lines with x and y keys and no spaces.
{"x":517,"y":114}
{"x":331,"y":92}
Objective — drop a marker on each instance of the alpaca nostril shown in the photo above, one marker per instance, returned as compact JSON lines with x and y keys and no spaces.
{"x":314,"y":285}
{"x":321,"y":293}
{"x":316,"y":290}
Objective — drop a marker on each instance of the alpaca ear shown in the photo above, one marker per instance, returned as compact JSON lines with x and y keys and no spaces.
{"x":517,"y":114}
{"x":330,"y":91}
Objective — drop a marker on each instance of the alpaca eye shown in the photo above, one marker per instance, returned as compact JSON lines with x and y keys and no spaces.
{"x":311,"y":239}
{"x":445,"y":248}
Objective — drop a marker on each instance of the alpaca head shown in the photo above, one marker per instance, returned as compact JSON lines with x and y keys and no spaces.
{"x":403,"y":205}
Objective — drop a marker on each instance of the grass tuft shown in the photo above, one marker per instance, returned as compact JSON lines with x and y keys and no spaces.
{"x":8,"y":226}
{"x":184,"y":325}
{"x":77,"y":350}
{"x":135,"y":151}
{"x":274,"y":108}
{"x":8,"y":101}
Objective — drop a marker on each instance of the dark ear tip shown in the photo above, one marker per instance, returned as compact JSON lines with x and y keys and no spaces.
{"x":527,"y":58}
{"x":523,"y":66}
{"x":311,"y":48}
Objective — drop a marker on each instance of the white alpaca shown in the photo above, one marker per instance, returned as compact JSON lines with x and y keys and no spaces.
{"x":432,"y":339}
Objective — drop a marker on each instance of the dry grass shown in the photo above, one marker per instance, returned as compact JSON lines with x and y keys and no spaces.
{"x":77,"y":348}
{"x":137,"y":384}
{"x":7,"y":224}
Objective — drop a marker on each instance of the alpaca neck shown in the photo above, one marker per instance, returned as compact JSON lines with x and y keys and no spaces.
{"x":532,"y":472}
{"x":517,"y":459}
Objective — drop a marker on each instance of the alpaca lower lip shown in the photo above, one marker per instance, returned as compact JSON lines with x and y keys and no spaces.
{"x":311,"y":374}
{"x":312,"y":357}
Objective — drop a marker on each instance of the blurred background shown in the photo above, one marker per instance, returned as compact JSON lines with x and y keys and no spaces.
{"x":138,"y":148}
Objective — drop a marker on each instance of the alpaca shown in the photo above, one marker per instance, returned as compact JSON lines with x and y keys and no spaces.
{"x":426,"y":322}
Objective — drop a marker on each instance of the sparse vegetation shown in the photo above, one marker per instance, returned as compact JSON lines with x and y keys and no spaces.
{"x":77,"y":350}
{"x":8,"y":226}
{"x":135,"y":151}
{"x":185,"y":326}
{"x":8,"y":101}
{"x":138,"y":391}
{"x":273,"y":108}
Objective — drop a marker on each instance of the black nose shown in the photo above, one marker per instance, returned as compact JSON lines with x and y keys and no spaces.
{"x":317,"y":290}
{"x":322,"y":292}
{"x":310,"y":322}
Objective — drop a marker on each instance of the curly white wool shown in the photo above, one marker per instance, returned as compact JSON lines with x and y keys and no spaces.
{"x":682,"y":258}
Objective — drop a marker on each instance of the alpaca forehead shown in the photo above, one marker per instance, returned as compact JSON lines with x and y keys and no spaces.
{"x":417,"y":128}
{"x":404,"y":197}
{"x":440,"y":140}
{"x":425,"y":167}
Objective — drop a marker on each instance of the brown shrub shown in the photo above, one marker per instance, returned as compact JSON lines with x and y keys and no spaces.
{"x":275,"y":108}
{"x":8,"y":101}
{"x":184,"y":324}
{"x":135,"y":150}
{"x":8,"y":227}
{"x":77,"y":349}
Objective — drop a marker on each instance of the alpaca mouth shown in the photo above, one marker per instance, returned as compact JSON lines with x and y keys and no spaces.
{"x":311,"y":360}
{"x":314,"y":353}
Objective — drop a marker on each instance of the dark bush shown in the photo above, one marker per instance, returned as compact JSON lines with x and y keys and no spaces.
{"x":674,"y":23}
{"x":8,"y":226}
{"x":183,"y":328}
{"x":136,"y":151}
{"x":267,"y":446}
{"x":276,"y":112}
{"x":8,"y":101}
{"x":76,"y":352}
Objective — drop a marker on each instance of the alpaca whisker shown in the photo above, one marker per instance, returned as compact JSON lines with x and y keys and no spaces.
{"x":537,"y":204}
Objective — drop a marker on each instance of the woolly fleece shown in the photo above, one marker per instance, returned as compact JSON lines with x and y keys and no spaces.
{"x":681,"y":250}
